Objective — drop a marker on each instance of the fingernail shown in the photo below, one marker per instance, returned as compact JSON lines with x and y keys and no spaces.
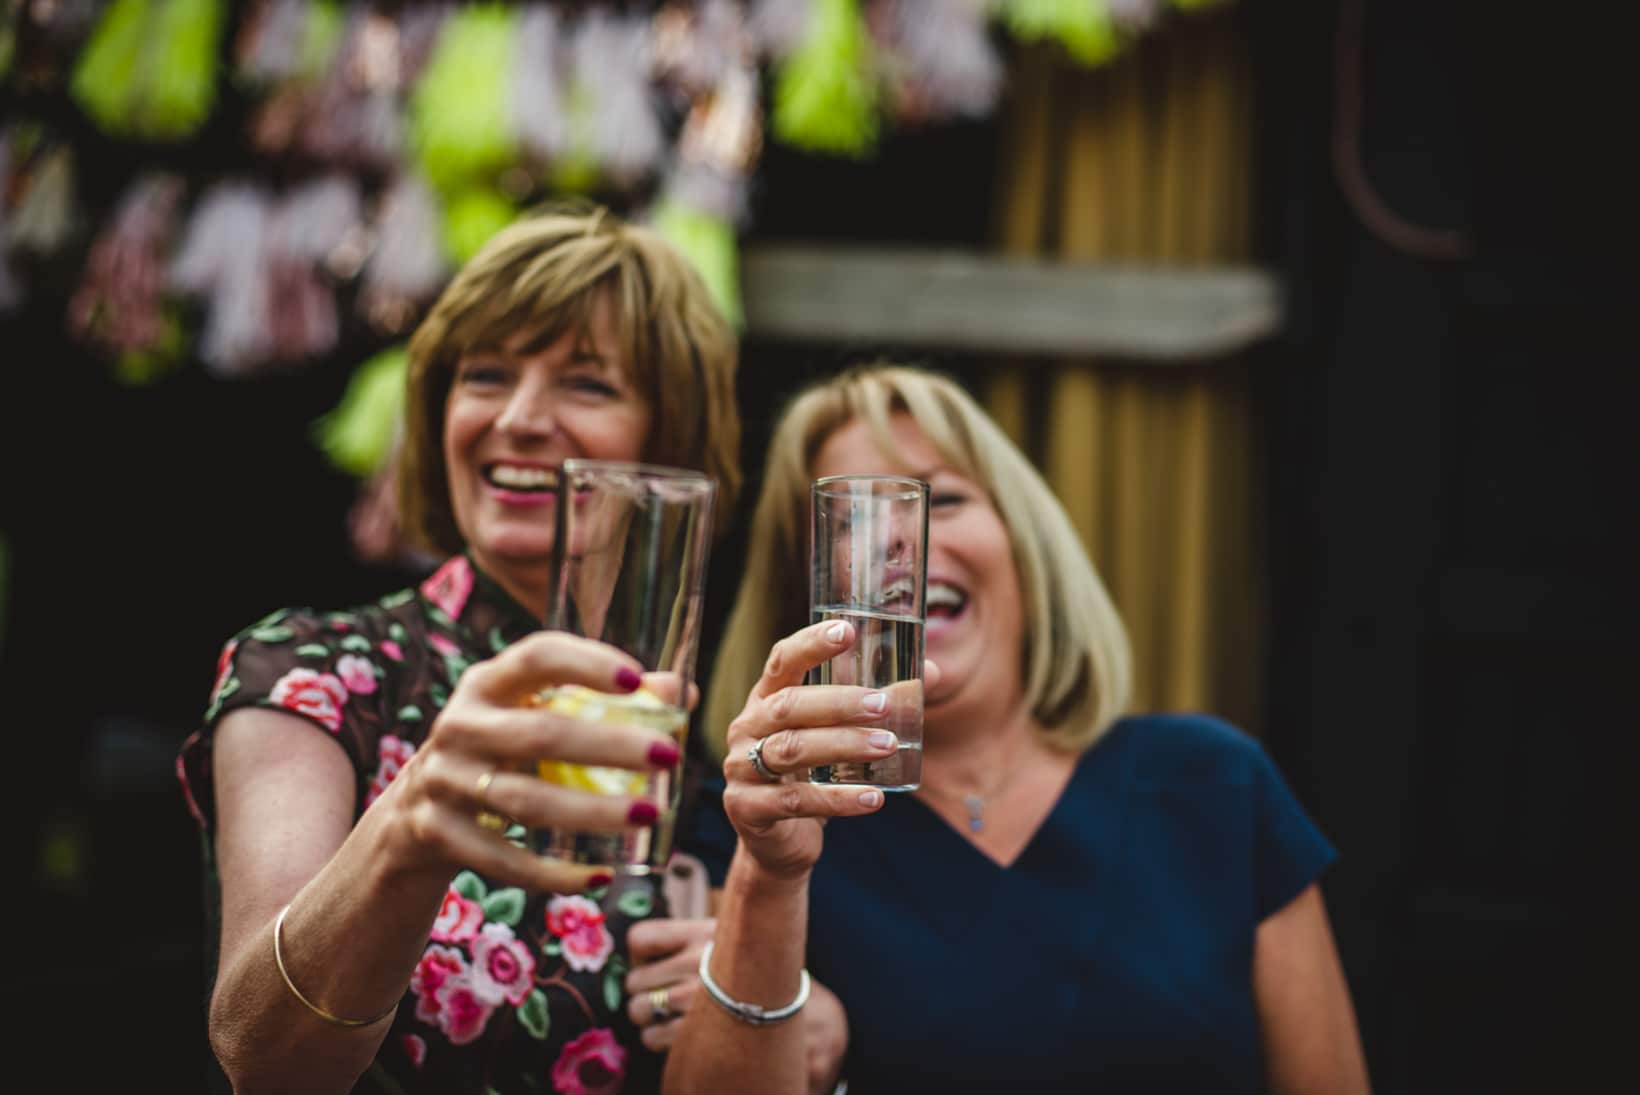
{"x":599,"y":881}
{"x":881,"y":739}
{"x":663,"y":754}
{"x":872,"y":797}
{"x":627,"y":679}
{"x":875,"y":702}
{"x":837,"y":631}
{"x":643,"y":813}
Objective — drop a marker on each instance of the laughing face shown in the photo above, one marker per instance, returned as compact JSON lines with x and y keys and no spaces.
{"x":974,"y":607}
{"x":513,"y":417}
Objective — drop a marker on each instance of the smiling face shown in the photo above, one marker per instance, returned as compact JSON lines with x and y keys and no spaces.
{"x":976,"y":624}
{"x":513,"y":416}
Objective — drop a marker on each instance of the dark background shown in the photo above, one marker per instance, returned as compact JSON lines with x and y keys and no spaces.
{"x":1447,"y":466}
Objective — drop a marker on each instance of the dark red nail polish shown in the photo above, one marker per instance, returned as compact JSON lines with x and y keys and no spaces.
{"x":628,"y":679}
{"x":599,"y":881}
{"x":643,"y":813}
{"x":663,"y":754}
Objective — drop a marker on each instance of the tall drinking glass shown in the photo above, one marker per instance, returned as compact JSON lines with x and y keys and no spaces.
{"x":868,"y":564}
{"x":629,"y":569}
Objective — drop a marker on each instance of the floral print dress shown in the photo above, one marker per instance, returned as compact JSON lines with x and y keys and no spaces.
{"x":514,"y":993}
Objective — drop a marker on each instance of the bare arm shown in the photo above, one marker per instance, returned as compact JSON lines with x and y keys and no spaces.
{"x":1311,"y":1045}
{"x":363,"y":901}
{"x":762,"y":918}
{"x":286,"y":804}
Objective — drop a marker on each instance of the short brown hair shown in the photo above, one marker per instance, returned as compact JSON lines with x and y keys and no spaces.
{"x":540,"y":277}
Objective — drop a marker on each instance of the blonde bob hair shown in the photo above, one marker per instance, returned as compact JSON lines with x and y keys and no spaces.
{"x":1075,"y":660}
{"x":541,"y":277}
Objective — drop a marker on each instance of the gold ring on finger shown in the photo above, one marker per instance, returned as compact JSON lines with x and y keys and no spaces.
{"x":660,"y":1004}
{"x":487,"y":818}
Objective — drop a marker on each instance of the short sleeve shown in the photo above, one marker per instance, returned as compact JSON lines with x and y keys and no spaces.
{"x":1291,"y":851}
{"x":706,"y":832}
{"x":321,"y":668}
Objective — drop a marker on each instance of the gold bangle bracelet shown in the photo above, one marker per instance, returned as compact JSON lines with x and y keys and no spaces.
{"x":279,"y":960}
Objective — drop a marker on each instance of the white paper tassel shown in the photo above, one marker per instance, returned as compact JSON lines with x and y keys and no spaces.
{"x":536,"y":104}
{"x":778,"y":26}
{"x":46,"y":217}
{"x":694,"y":46}
{"x":612,"y":71}
{"x":948,"y":65}
{"x":271,"y":49}
{"x":309,"y":223}
{"x":222,"y":258}
{"x":1134,"y":15}
{"x":407,"y":266}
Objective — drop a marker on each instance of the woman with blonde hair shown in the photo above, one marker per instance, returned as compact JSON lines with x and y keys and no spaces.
{"x":1075,"y":898}
{"x":377,"y":931}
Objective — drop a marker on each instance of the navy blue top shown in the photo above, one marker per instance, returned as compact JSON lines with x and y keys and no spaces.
{"x":1114,"y":955}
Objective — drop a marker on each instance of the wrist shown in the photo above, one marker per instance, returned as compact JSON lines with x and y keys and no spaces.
{"x":750,"y":876}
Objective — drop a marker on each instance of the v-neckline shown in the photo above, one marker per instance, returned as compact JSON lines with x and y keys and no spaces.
{"x":1085,"y":768}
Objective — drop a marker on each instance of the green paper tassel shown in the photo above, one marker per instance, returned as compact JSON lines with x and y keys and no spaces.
{"x":358,"y":434}
{"x":105,"y":77}
{"x":458,"y":110}
{"x":471,"y":217}
{"x":1083,"y":27}
{"x":149,"y":70}
{"x":148,"y":366}
{"x":181,"y":85}
{"x":321,"y":36}
{"x":710,"y":245}
{"x":825,"y":96}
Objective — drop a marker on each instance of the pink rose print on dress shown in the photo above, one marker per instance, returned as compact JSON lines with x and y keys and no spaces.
{"x":224,"y":668}
{"x":458,"y":919}
{"x":579,"y":922}
{"x":442,"y":645}
{"x":593,"y":1064}
{"x":437,"y":966}
{"x":392,"y":649}
{"x":356,"y":673}
{"x":503,"y":968}
{"x":320,"y":696}
{"x":449,"y":586}
{"x":415,"y":1048}
{"x":462,"y":1012}
{"x":395,"y":753}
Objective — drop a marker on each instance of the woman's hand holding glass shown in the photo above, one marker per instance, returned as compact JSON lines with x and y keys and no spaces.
{"x":792,"y":727}
{"x":481,"y":758}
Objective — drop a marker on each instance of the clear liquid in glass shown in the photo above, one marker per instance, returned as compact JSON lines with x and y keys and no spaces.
{"x":887,"y":654}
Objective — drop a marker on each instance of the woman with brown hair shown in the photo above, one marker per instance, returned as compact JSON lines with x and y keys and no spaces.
{"x":376,"y":931}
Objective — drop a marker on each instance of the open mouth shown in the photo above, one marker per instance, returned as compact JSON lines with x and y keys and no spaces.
{"x":521,"y":480}
{"x":945,"y":601}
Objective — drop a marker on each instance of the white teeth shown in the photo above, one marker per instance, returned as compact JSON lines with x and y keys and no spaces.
{"x":504,"y":475}
{"x":900,"y":587}
{"x":942,"y":595}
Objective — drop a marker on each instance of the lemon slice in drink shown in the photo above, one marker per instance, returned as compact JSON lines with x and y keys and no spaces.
{"x":590,"y":706}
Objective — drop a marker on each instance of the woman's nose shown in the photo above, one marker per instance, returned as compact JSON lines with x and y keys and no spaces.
{"x":528,"y":412}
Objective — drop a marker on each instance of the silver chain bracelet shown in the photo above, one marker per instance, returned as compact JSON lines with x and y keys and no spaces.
{"x":751,"y":1013}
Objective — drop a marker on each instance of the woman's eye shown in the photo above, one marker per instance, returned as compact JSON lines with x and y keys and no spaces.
{"x":946,"y":500}
{"x":593,"y":385}
{"x":482,"y":374}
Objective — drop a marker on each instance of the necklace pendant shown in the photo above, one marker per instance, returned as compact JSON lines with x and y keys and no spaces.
{"x":976,"y":813}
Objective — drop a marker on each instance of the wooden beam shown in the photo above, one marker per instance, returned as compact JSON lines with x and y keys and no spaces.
{"x":972,"y":302}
